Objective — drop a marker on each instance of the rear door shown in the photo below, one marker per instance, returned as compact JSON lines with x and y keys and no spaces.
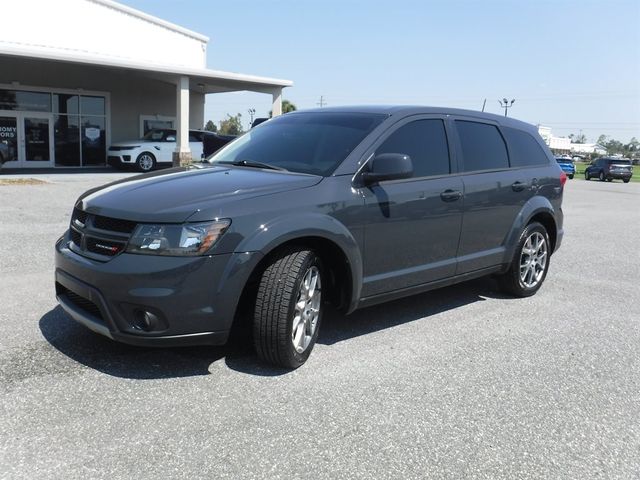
{"x":494,"y":193}
{"x":412,"y":226}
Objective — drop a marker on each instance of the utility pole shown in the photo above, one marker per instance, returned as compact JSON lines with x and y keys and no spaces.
{"x":504,"y":103}
{"x":322,"y":103}
{"x":483,"y":104}
{"x":252,"y":112}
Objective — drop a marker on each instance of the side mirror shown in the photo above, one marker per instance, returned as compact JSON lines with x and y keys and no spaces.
{"x":388,"y":166}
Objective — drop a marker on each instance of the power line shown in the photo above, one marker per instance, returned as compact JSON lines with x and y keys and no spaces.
{"x":321,"y":103}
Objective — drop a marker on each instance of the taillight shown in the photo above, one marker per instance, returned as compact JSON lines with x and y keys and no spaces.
{"x":563,"y":178}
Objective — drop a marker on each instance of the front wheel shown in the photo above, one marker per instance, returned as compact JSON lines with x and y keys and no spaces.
{"x":145,"y":162}
{"x":587,"y":176}
{"x":288,"y":308}
{"x":571,"y":177}
{"x":601,"y":176}
{"x":626,"y":180}
{"x":530,"y":263}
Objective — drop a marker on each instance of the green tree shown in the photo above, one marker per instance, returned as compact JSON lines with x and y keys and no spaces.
{"x":287,"y":107}
{"x":581,"y":138}
{"x":211,"y":127}
{"x":602,"y":141}
{"x":232,"y":125}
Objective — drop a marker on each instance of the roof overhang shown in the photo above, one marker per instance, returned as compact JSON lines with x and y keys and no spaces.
{"x":201,"y":79}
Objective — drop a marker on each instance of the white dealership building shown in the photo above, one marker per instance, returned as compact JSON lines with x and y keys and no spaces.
{"x":76,"y":75}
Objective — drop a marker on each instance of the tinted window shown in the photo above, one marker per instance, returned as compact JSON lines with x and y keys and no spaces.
{"x":482,"y":146}
{"x":194,"y":137}
{"x":619,"y":162}
{"x":313,"y":143}
{"x":425,"y":141}
{"x":524,"y":149}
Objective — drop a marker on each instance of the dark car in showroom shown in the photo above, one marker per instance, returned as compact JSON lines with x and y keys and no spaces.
{"x":350,"y":206}
{"x":609,"y":169}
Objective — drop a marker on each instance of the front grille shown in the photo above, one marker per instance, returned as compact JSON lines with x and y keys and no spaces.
{"x":79,"y":215}
{"x":76,"y":237}
{"x":79,"y":301}
{"x":104,"y":247}
{"x":113,"y":224}
{"x":97,"y":236}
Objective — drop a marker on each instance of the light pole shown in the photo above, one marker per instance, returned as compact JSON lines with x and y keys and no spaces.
{"x":252,"y":112}
{"x":504,"y":103}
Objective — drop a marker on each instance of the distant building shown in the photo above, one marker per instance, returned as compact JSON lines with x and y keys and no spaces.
{"x":562,"y":145}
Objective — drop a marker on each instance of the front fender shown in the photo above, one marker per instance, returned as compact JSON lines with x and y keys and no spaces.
{"x":284,"y":229}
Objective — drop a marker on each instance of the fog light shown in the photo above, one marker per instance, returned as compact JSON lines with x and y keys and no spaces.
{"x":145,"y":321}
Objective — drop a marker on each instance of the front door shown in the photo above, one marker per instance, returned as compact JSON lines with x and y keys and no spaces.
{"x":26,"y":139}
{"x":412,"y":226}
{"x":36,"y":144}
{"x":9,"y":139}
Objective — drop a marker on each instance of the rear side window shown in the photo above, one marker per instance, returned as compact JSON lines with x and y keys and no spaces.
{"x":524,"y":149}
{"x":482,"y":146}
{"x":425,"y":141}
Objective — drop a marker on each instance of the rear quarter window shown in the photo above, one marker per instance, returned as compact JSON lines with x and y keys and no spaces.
{"x":524,"y":150}
{"x":483,"y":147}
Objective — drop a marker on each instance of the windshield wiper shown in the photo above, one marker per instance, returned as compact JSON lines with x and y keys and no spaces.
{"x":251,"y":163}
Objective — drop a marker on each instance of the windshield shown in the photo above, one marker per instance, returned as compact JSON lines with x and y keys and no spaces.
{"x":314,"y":143}
{"x":158,"y":135}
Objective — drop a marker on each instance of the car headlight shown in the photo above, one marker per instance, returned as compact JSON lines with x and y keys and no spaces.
{"x":177,"y":240}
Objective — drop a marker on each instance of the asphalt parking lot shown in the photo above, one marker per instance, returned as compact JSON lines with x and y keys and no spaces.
{"x":458,"y":383}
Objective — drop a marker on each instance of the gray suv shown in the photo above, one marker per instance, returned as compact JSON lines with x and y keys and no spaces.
{"x":353,"y":206}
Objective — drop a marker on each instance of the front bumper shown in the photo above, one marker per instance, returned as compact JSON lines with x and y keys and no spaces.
{"x":118,"y":160}
{"x":194,"y":299}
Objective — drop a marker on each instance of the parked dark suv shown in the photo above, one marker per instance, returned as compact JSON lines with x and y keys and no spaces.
{"x":608,"y":169}
{"x":353,"y":206}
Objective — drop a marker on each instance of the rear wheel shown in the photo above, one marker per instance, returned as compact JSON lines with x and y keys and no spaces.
{"x":288,"y":308}
{"x":626,"y":180}
{"x":601,"y":176}
{"x":145,"y":162}
{"x":609,"y":179}
{"x":571,"y":177}
{"x":530,"y":263}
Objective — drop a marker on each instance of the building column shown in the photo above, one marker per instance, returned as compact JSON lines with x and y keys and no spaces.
{"x":182,"y":153}
{"x":276,"y":107}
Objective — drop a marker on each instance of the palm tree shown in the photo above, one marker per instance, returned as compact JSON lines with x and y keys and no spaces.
{"x":287,"y":107}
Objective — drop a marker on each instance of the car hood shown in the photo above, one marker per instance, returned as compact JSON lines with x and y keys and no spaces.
{"x":132,"y":143}
{"x":175,"y":194}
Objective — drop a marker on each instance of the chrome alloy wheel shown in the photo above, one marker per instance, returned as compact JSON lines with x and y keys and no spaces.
{"x":307,"y":310}
{"x":533,"y":260}
{"x":146,"y":162}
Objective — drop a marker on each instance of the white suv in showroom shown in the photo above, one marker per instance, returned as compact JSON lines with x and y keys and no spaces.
{"x":156,"y":147}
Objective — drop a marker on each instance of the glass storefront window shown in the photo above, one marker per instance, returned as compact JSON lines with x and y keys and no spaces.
{"x":92,"y":105}
{"x":67,"y":140}
{"x":8,"y":139}
{"x":63,"y":103}
{"x":93,"y":140}
{"x":26,"y":101}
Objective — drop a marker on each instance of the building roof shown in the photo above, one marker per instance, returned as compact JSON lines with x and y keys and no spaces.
{"x":150,"y":18}
{"x":211,"y":80}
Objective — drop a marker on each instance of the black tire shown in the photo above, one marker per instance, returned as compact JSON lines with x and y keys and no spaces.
{"x":626,"y":180}
{"x":609,"y":179}
{"x":601,"y":176}
{"x":511,"y":281}
{"x":586,"y":175}
{"x":273,"y":318}
{"x":571,"y":177}
{"x":145,"y":162}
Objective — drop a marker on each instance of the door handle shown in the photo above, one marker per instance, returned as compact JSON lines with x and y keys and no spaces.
{"x":518,"y":186}
{"x":451,"y":195}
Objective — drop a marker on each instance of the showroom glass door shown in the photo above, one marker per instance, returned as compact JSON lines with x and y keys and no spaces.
{"x":37,"y":147}
{"x":9,"y":139}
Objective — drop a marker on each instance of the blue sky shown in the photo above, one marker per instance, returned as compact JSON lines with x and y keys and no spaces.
{"x":571,"y":65}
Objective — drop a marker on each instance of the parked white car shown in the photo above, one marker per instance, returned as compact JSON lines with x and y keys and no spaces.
{"x":156,"y":147}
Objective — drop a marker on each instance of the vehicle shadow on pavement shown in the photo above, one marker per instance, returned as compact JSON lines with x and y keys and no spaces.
{"x":125,"y":361}
{"x":337,"y":328}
